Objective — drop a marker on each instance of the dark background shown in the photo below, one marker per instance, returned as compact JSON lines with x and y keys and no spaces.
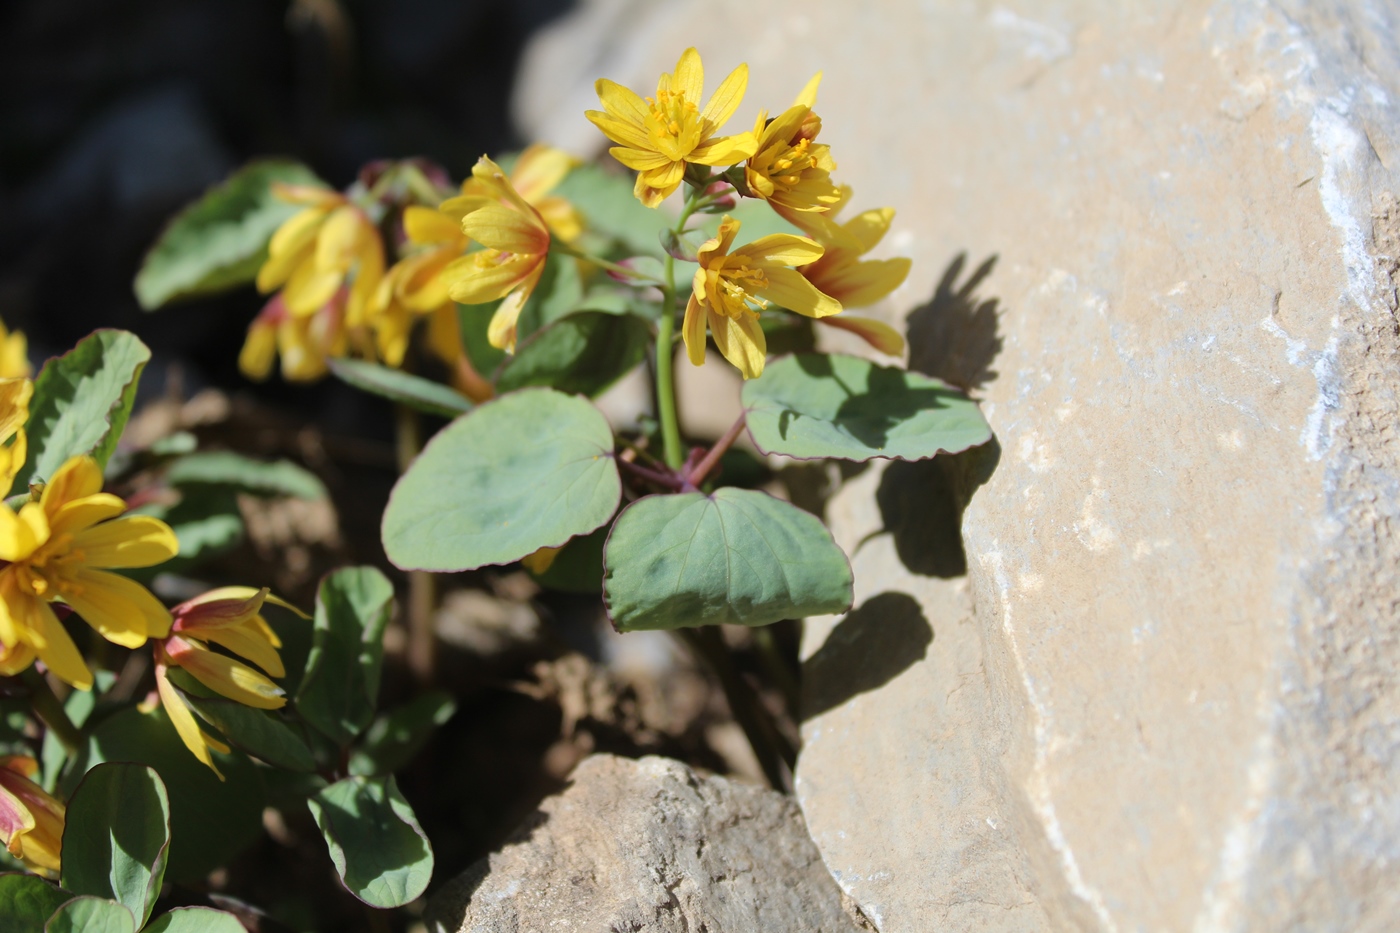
{"x":116,"y":113}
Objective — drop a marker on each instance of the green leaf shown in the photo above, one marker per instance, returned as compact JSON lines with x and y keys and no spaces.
{"x":427,"y":396}
{"x":225,"y":468}
{"x":89,"y":914}
{"x":379,"y":850}
{"x":340,"y":689}
{"x":608,"y":206}
{"x":583,"y":353}
{"x":27,"y":901}
{"x":578,"y":567}
{"x":195,"y":920}
{"x":531,"y":469}
{"x":219,"y":241}
{"x":736,"y":557}
{"x":206,"y":521}
{"x":81,"y":402}
{"x":815,"y":405}
{"x":260,"y":733}
{"x":559,"y":291}
{"x":116,"y":837}
{"x":395,"y":738}
{"x":211,"y":820}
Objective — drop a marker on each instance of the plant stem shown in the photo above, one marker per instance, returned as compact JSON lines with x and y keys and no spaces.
{"x":697,"y":476}
{"x":779,"y":671}
{"x":665,"y":378}
{"x":48,"y":708}
{"x":422,"y":587}
{"x":769,"y":747}
{"x":568,"y":250}
{"x":667,"y":479}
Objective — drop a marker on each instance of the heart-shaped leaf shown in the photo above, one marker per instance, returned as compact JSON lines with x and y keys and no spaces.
{"x":584,"y":353}
{"x":531,"y":469}
{"x":379,"y":850}
{"x":813,"y":405}
{"x":424,"y":395}
{"x":340,"y":690}
{"x":89,"y":914}
{"x":82,"y":401}
{"x":116,"y":836}
{"x":220,"y":240}
{"x":195,"y":920}
{"x":737,"y":557}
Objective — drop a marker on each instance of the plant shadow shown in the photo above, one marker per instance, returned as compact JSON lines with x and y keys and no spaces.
{"x":953,"y":336}
{"x":875,"y":642}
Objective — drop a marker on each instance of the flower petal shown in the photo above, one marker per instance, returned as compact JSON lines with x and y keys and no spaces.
{"x":247,"y":642}
{"x":224,"y":675}
{"x":878,"y":334}
{"x":725,"y":150}
{"x":133,"y":541}
{"x":210,"y":611}
{"x":656,"y":185}
{"x":619,"y":130}
{"x":859,"y":284}
{"x":78,"y":477}
{"x":58,"y":652}
{"x":689,"y":76}
{"x":790,"y":290}
{"x":693,"y":330}
{"x":184,"y":722}
{"x":426,"y":225}
{"x":726,"y":99}
{"x":470,"y":281}
{"x":500,"y":333}
{"x":22,"y":533}
{"x":622,"y":102}
{"x":741,"y":341}
{"x":639,"y":160}
{"x":782,"y":248}
{"x":539,"y":169}
{"x":808,"y":96}
{"x":501,"y":228}
{"x":869,"y":227}
{"x":121,"y":610}
{"x":310,"y":289}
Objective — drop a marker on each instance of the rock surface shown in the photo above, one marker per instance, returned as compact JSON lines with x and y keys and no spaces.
{"x":649,"y":846}
{"x":1164,"y":695}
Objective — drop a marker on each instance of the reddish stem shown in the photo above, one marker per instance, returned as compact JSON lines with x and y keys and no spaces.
{"x":694,"y":477}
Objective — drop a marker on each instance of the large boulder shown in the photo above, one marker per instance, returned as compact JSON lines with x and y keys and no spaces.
{"x":1164,"y":695}
{"x":649,"y":846}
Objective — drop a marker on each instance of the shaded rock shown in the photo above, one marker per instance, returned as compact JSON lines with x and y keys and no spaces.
{"x":649,"y":845}
{"x":1163,"y":697}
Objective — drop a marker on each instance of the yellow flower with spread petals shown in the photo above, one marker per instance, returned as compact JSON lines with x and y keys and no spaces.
{"x":14,"y":354}
{"x":319,"y":250}
{"x":229,"y":617}
{"x":31,"y":819}
{"x":730,"y":288}
{"x":790,"y":169}
{"x":517,"y":243}
{"x":64,"y":547}
{"x":303,"y":342}
{"x":659,"y":135}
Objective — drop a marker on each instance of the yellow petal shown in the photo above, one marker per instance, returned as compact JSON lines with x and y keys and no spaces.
{"x":247,"y":643}
{"x":121,"y":610}
{"x":22,"y":533}
{"x":741,"y":341}
{"x":725,"y":150}
{"x":639,"y":160}
{"x":221,"y":593}
{"x":339,"y":239}
{"x":689,"y":76}
{"x":719,"y":245}
{"x":622,"y":102}
{"x":17,"y":659}
{"x":878,"y":334}
{"x":726,"y":99}
{"x":225,"y":676}
{"x":134,"y":541}
{"x":790,"y":290}
{"x":14,"y":405}
{"x":869,"y":227}
{"x":297,"y":232}
{"x":310,"y":289}
{"x":808,"y":96}
{"x":859,"y":284}
{"x":259,"y":350}
{"x":472,"y":282}
{"x":58,"y":652}
{"x":307,"y":194}
{"x":184,"y":722}
{"x":539,"y":169}
{"x":561,"y":218}
{"x":78,"y":477}
{"x":783,"y":248}
{"x":500,"y":333}
{"x":693,"y":330}
{"x":426,"y":225}
{"x":509,"y":231}
{"x":620,"y":130}
{"x":78,"y":514}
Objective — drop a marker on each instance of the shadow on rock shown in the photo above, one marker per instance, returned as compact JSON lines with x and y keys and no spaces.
{"x":873,"y":644}
{"x":954,"y":336}
{"x":447,"y":906}
{"x":922,"y":502}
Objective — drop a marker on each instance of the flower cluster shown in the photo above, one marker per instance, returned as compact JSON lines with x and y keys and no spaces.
{"x":818,"y":275}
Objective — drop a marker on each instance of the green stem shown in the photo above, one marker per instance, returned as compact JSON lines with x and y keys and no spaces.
{"x":48,"y":708}
{"x":559,"y":247}
{"x":422,"y":587}
{"x":665,"y":378}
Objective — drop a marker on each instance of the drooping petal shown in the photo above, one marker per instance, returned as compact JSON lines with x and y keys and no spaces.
{"x":656,"y":185}
{"x":298,"y":232}
{"x":184,"y":722}
{"x":229,"y":605}
{"x":133,"y":541}
{"x":689,"y":76}
{"x":39,"y":844}
{"x":726,"y":99}
{"x":16,"y":659}
{"x":725,"y":150}
{"x":224,"y":675}
{"x":339,"y":238}
{"x":479,"y":278}
{"x":859,"y":284}
{"x":310,"y":289}
{"x":741,"y":341}
{"x":878,"y":334}
{"x":693,"y":330}
{"x":500,"y":333}
{"x":247,"y":642}
{"x":782,"y":248}
{"x":561,"y":217}
{"x":791,"y":290}
{"x":121,"y":610}
{"x":500,"y":228}
{"x":58,"y":652}
{"x":15,"y":819}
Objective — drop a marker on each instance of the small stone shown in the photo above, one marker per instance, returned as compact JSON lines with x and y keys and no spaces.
{"x":649,"y":845}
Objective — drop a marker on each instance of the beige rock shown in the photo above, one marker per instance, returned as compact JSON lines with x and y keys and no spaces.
{"x":649,"y":846}
{"x":1165,"y":698}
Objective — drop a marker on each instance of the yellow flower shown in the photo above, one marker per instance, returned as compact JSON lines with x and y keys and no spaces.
{"x":660,"y":134}
{"x":840,"y":272}
{"x":790,"y":169}
{"x":731,"y":288}
{"x":31,"y":820}
{"x":517,"y":243}
{"x":304,"y":342}
{"x":318,"y":249}
{"x":60,"y":548}
{"x":414,"y":285}
{"x":14,"y":354}
{"x":537,"y":171}
{"x":230,"y":618}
